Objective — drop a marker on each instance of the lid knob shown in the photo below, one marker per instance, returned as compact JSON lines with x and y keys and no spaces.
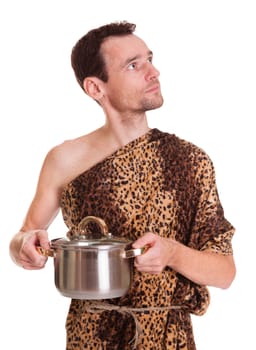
{"x":82,"y":227}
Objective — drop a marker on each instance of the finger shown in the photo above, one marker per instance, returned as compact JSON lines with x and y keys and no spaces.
{"x":149,"y":269}
{"x":30,"y":257}
{"x":31,"y":266}
{"x":148,"y":239}
{"x":43,"y":239}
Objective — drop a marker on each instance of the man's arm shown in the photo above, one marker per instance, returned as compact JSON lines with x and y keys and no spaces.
{"x":41,"y":213}
{"x":201,"y":267}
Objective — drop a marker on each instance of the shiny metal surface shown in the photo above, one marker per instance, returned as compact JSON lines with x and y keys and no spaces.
{"x":92,"y":273}
{"x":88,"y":268}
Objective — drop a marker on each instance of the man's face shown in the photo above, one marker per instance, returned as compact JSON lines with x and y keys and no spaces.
{"x":133,"y":85}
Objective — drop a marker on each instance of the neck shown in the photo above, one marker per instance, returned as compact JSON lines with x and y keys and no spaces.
{"x":127,"y":129}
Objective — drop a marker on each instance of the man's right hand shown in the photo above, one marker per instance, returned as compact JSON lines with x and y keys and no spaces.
{"x":24,"y":252}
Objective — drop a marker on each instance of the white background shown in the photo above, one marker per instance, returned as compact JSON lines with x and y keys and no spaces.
{"x":205,"y":51}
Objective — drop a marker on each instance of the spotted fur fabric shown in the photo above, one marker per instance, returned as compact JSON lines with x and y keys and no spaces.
{"x":166,"y":185}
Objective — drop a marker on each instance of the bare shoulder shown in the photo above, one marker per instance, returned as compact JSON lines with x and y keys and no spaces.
{"x":66,"y":152}
{"x":72,"y":157}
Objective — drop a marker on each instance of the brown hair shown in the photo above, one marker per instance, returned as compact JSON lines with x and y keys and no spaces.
{"x":86,"y":57}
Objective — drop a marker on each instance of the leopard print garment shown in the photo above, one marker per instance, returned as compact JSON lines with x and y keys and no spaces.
{"x":156,"y":183}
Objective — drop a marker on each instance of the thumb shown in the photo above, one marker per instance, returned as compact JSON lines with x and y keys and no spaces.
{"x":147,"y":240}
{"x":42,"y":238}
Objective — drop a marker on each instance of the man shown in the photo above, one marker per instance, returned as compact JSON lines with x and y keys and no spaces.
{"x":148,"y":186}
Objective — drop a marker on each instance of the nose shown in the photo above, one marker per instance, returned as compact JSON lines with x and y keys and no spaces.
{"x":151,"y":73}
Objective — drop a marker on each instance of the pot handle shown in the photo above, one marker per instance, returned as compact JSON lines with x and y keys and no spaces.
{"x":45,"y":252}
{"x":132,"y":253}
{"x":85,"y":221}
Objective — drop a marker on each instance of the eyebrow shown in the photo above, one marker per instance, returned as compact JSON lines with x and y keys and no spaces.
{"x":134,"y":58}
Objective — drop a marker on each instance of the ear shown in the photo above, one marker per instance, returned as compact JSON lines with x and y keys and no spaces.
{"x":93,"y":87}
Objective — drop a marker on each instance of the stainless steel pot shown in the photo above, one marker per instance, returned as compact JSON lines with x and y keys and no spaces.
{"x":89,"y":268}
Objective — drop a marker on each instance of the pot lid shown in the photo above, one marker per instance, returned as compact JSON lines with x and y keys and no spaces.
{"x":83,"y":238}
{"x":77,"y":243}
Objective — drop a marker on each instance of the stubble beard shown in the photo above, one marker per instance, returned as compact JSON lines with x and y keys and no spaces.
{"x":150,"y":104}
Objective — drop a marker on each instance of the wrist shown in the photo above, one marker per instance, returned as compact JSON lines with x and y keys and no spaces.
{"x":175,"y":252}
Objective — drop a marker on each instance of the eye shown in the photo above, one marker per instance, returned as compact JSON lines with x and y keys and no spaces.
{"x":150,"y":59}
{"x":132,"y":66}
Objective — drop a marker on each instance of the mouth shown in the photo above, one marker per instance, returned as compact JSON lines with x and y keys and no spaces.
{"x":153,"y":88}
